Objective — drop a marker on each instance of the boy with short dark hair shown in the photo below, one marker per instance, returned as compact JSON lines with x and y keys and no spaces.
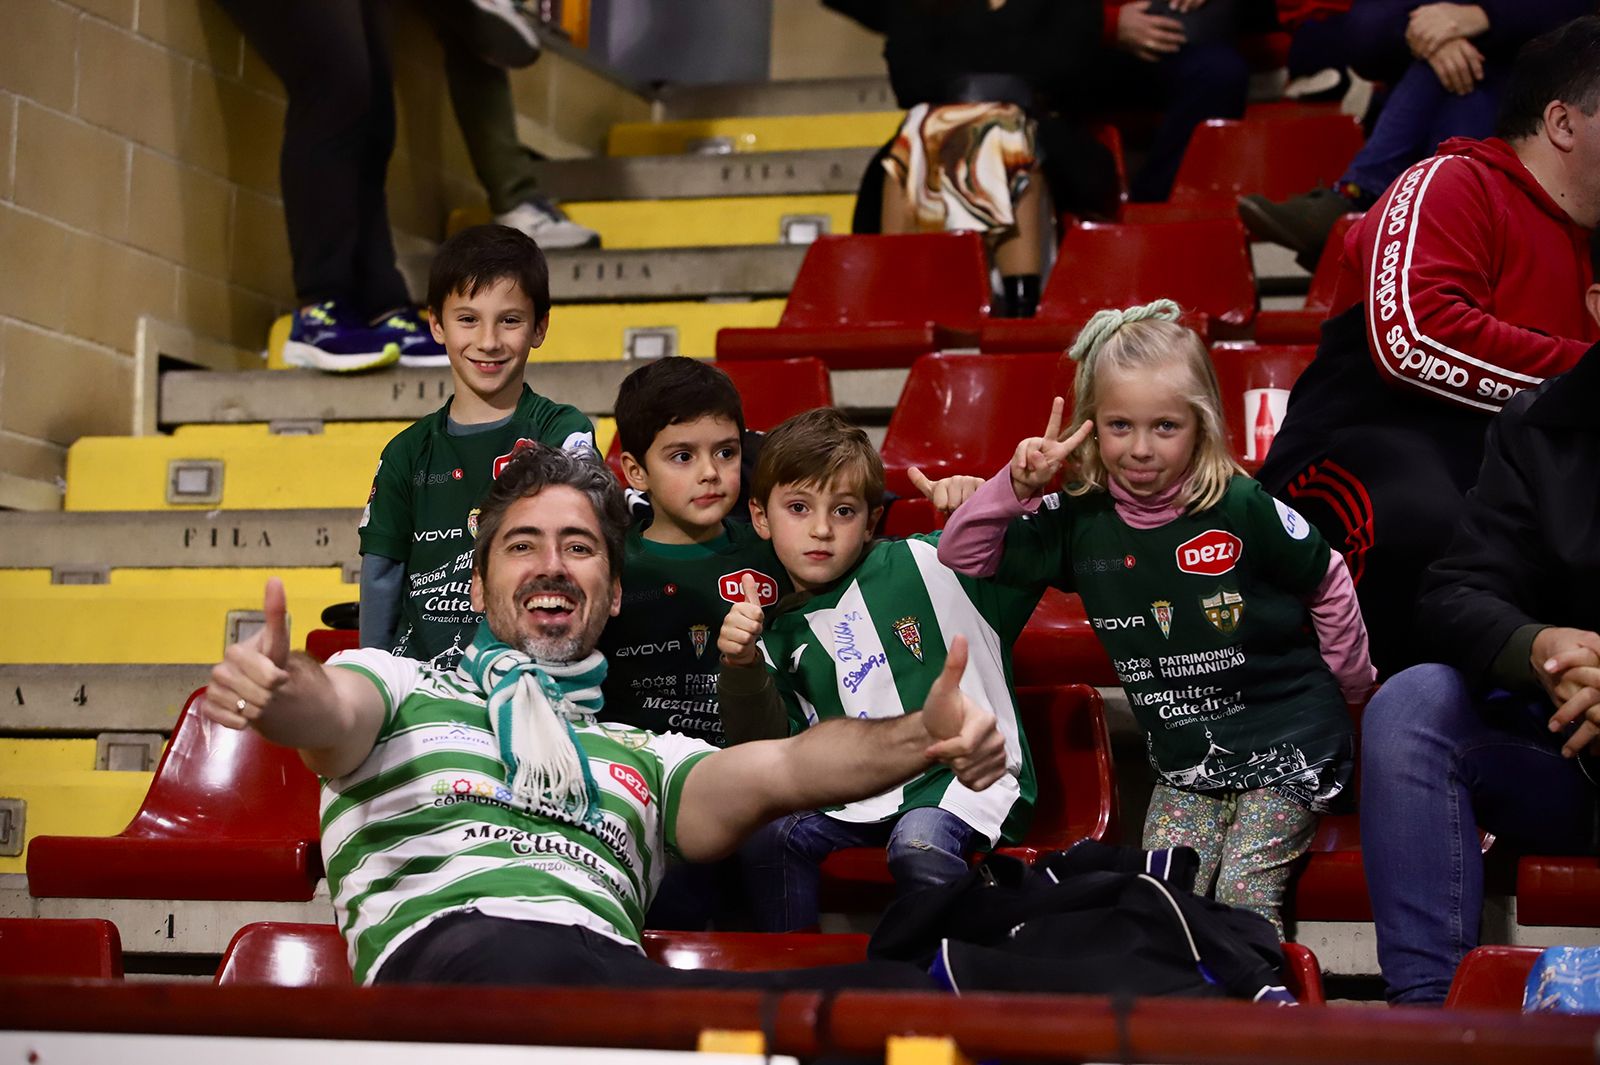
{"x":864,"y":636}
{"x":681,"y":427}
{"x":489,"y":303}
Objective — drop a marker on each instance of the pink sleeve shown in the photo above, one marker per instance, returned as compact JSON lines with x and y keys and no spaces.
{"x":974,"y":537}
{"x":1341,"y":632}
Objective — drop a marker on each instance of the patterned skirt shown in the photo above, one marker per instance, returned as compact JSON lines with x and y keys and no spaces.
{"x":962,"y":166}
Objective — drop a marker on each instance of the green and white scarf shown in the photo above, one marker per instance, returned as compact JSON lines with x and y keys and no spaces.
{"x":532,"y":705}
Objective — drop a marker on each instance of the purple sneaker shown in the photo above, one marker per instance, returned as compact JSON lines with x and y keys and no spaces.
{"x":411,"y":334}
{"x":322,"y":336}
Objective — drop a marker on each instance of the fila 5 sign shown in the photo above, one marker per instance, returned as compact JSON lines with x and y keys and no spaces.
{"x":731,"y":587}
{"x":1210,"y":554}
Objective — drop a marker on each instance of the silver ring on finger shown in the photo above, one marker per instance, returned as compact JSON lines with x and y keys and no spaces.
{"x":240,"y":706}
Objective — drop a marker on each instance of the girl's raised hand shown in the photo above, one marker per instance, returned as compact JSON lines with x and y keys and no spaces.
{"x":1039,"y":458}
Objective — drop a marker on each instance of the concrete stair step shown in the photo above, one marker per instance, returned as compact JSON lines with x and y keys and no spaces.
{"x":82,"y":547}
{"x":800,"y":97}
{"x":800,"y":172}
{"x":755,"y":133}
{"x":199,"y":397}
{"x":87,"y":698}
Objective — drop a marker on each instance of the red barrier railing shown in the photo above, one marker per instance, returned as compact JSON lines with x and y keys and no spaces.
{"x":1019,"y":1027}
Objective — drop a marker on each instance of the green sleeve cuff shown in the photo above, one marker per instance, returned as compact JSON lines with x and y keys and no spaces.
{"x":1512,"y":668}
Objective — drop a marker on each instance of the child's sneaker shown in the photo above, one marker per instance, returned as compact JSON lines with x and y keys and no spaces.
{"x":325,"y":338}
{"x":414,"y":339}
{"x":549,"y":227}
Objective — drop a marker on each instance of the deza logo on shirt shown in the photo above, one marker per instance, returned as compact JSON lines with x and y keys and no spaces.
{"x":501,"y":461}
{"x":633,"y":780}
{"x":731,"y":587}
{"x":1211,"y":554}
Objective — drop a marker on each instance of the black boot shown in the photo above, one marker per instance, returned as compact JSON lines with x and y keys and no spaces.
{"x":1019,"y":295}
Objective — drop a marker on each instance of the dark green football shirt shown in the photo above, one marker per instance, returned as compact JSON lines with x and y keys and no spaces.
{"x":423,"y":512}
{"x":1205,"y":621}
{"x":661,"y":649}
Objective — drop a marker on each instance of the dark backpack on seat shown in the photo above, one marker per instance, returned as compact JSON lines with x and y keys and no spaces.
{"x":1083,"y":922}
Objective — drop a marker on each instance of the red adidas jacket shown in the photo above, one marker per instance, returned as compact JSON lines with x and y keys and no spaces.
{"x":1472,"y":278}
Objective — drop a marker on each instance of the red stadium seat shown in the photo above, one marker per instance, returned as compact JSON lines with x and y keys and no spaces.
{"x":1492,"y":978}
{"x":1302,"y":975}
{"x":1111,"y":137}
{"x":1332,"y":884}
{"x":43,"y":948}
{"x":864,"y":302}
{"x":323,"y":644}
{"x":1204,"y":265}
{"x":283,"y":954}
{"x":1255,"y":381}
{"x":228,"y":816}
{"x":1059,"y":646}
{"x":1558,"y":890}
{"x":1277,"y":155}
{"x":753,"y":951}
{"x":1305,"y":326}
{"x":965,"y":414}
{"x":771,"y":390}
{"x":1066,"y":729}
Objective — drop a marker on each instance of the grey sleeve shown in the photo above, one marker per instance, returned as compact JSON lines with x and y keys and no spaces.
{"x":382,"y":582}
{"x":750,"y":705}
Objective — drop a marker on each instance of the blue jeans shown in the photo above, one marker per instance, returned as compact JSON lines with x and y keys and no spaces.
{"x":1418,"y":116}
{"x":927,"y":847}
{"x":1438,"y":760}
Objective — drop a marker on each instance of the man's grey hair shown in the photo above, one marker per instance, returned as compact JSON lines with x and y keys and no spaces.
{"x":531,"y":470}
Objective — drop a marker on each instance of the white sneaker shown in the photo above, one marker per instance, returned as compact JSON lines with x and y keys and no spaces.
{"x":502,"y":32}
{"x":550,"y":229}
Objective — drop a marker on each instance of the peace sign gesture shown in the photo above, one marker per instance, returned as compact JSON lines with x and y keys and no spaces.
{"x":1039,"y":458}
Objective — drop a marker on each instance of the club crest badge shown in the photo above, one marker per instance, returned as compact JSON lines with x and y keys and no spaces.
{"x":1223,"y":610}
{"x":910,"y":635}
{"x":699,"y":635}
{"x":472,"y":522}
{"x":1162,"y":611}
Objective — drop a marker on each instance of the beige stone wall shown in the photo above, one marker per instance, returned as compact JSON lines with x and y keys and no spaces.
{"x":138,"y":176}
{"x":810,"y":41}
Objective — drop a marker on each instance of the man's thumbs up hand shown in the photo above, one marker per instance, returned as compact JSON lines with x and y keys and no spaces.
{"x":966,"y":737}
{"x":252,"y":670}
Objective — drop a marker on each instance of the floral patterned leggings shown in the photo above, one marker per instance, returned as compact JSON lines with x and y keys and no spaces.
{"x":1247,"y":841}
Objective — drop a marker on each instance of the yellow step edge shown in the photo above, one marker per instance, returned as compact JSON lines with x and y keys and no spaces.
{"x":580,"y":332}
{"x":332,"y":468}
{"x":64,"y":793}
{"x":756,"y":133}
{"x":923,"y":1050}
{"x":730,"y":1041}
{"x":260,"y":470}
{"x":713,"y":221}
{"x":156,"y":616}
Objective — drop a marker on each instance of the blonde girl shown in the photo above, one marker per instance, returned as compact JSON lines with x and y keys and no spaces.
{"x":1233,"y":627}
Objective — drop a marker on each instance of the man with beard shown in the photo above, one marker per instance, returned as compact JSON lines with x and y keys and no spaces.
{"x":479,"y":825}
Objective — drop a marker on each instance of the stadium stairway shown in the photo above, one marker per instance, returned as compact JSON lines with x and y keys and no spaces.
{"x":119,"y":602}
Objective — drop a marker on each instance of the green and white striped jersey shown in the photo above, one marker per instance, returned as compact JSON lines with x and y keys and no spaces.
{"x":871,"y":645}
{"x":425,"y":826}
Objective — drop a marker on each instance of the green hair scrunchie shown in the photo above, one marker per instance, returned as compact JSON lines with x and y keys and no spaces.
{"x":1105,"y":323}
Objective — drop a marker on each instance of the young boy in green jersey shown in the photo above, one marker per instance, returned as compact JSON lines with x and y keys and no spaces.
{"x":489,"y":304}
{"x":681,"y":427}
{"x":864,"y":635}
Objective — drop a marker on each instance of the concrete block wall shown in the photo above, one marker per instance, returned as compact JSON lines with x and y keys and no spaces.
{"x":138,"y":176}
